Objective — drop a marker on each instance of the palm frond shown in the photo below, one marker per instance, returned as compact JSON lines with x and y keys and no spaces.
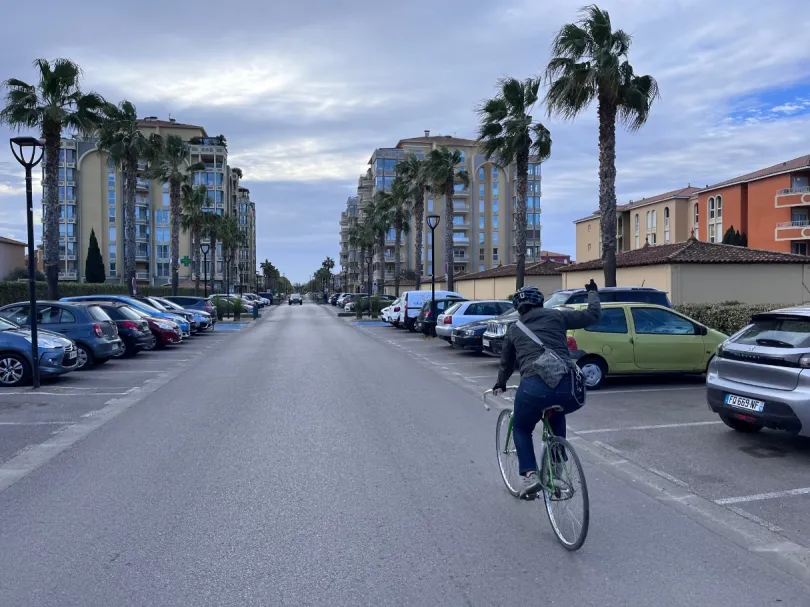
{"x":638,"y":96}
{"x":541,"y":148}
{"x":572,"y":42}
{"x":571,"y":92}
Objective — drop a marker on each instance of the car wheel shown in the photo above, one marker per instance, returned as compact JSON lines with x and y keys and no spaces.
{"x":594,"y":370}
{"x":741,"y":425}
{"x":151,"y":345}
{"x":125,"y":351}
{"x":85,"y":357}
{"x":14,"y":370}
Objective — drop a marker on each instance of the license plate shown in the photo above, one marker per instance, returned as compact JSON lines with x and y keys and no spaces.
{"x":453,"y":338}
{"x":71,"y":355}
{"x":742,"y":402}
{"x":486,"y":343}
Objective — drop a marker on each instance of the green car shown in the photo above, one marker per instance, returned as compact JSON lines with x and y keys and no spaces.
{"x":639,"y":338}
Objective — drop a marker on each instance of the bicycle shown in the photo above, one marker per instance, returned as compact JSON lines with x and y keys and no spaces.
{"x":561,"y":475}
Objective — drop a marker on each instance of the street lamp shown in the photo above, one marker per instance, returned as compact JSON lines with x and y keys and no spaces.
{"x":369,"y":259}
{"x":433,"y":223}
{"x":28,"y":151}
{"x":204,"y":249}
{"x":241,"y":266}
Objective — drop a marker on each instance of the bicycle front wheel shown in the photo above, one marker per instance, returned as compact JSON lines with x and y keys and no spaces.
{"x":507,"y":454}
{"x":565,"y":493}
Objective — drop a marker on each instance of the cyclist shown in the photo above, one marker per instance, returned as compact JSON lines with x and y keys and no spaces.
{"x":534,"y":395}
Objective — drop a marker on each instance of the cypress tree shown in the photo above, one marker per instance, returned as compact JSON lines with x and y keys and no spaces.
{"x":94,"y":265}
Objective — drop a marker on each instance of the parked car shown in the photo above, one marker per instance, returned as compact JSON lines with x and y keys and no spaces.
{"x":267,"y":296}
{"x":471,"y":336}
{"x":414,"y":300}
{"x":431,"y":309}
{"x":190,"y":302}
{"x":386,"y":312}
{"x":364,"y":301}
{"x":295,"y":298}
{"x":351,"y":299}
{"x":202,"y":320}
{"x":465,"y":312}
{"x":229,"y":301}
{"x":190,"y":317}
{"x":88,"y":326}
{"x":341,"y":300}
{"x":166,"y":332}
{"x":133,"y":329}
{"x":57,"y":355}
{"x":333,"y":299}
{"x":565,"y":297}
{"x":253,"y":299}
{"x":760,"y":377}
{"x":185,"y":326}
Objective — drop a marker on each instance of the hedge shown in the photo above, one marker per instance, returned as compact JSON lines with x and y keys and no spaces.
{"x":12,"y":292}
{"x":726,"y":317}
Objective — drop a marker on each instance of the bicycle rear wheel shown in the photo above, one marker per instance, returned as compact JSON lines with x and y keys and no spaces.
{"x":565,"y":493}
{"x":507,"y":454}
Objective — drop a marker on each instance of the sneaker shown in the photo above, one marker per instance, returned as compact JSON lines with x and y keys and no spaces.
{"x":531,"y":485}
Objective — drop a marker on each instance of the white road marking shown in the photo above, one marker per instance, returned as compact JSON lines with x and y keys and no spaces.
{"x":36,"y":423}
{"x":763,"y":496}
{"x":108,"y":371}
{"x":608,"y":447}
{"x":480,"y":376}
{"x":669,"y":477}
{"x":652,"y":427}
{"x":38,"y":393}
{"x":598,"y":392}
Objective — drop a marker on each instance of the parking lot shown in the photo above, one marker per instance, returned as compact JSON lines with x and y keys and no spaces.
{"x":29,"y":417}
{"x":663,"y":425}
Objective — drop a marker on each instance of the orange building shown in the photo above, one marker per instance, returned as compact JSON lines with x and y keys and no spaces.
{"x":770,"y":206}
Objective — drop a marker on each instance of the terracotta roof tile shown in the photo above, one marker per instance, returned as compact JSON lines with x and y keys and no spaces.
{"x":692,"y":252}
{"x":167,"y":124}
{"x":680,"y":193}
{"x":802,"y":162}
{"x":439,"y":140}
{"x":543,"y":268}
{"x":5,"y":240}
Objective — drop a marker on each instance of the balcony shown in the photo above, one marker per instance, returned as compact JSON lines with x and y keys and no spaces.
{"x":793,"y":230}
{"x":464,"y":259}
{"x":68,"y":275}
{"x":792,"y":197}
{"x":142,"y":256}
{"x":461,"y":226}
{"x":142,"y":275}
{"x":219,"y":150}
{"x":141,"y":184}
{"x":461,"y":206}
{"x":68,"y":219}
{"x":63,"y":257}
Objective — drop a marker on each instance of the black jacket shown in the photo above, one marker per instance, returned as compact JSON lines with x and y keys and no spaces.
{"x":550,"y":326}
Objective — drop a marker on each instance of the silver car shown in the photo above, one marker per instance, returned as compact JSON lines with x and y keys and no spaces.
{"x":760,"y":377}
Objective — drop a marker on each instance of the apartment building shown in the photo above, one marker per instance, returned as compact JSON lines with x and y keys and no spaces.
{"x":246,"y":257}
{"x":349,"y":260}
{"x":660,"y":219}
{"x":483,"y":218}
{"x":91,"y":199}
{"x":770,"y":206}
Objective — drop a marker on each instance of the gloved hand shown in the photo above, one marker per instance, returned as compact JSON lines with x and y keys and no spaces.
{"x":498,"y":388}
{"x":591,"y":286}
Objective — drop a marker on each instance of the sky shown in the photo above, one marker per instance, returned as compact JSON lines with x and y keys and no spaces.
{"x":305,"y":91}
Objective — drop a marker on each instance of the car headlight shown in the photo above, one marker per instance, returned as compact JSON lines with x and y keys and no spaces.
{"x":165,"y":326}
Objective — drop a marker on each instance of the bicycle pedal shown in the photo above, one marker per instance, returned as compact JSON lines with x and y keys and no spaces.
{"x":529,"y":497}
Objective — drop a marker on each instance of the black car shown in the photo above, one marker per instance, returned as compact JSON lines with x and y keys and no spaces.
{"x":187,"y":316}
{"x":426,"y":321}
{"x":191,"y":302}
{"x":470,"y":336}
{"x":133,"y":330}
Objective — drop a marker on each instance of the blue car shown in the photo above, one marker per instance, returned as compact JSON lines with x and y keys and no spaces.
{"x":184,"y":325}
{"x":57,"y":355}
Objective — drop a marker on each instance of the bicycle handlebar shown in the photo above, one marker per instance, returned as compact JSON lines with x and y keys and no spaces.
{"x":484,"y":395}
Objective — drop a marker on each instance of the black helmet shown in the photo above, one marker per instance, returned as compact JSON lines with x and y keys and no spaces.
{"x":529,"y":297}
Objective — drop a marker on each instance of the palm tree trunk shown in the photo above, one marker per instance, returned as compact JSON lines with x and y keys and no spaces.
{"x":362,"y":264}
{"x":381,"y":274}
{"x":51,"y":228}
{"x":174,"y":212}
{"x":522,"y":162}
{"x":607,"y":188}
{"x":195,"y":243}
{"x":130,"y":178}
{"x":448,"y":233}
{"x":397,"y":246}
{"x":419,"y":216}
{"x":212,"y":236}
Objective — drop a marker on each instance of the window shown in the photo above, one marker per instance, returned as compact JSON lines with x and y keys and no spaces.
{"x":495,"y":238}
{"x":495,"y":254}
{"x":589,"y":247}
{"x":458,"y":220}
{"x":494,"y":205}
{"x":494,"y":172}
{"x":715,"y":222}
{"x":612,"y":320}
{"x":459,"y":253}
{"x":635,"y":230}
{"x":430,"y":205}
{"x":430,"y":237}
{"x":111,"y":179}
{"x":430,"y":255}
{"x":494,"y":222}
{"x":67,"y":230}
{"x":163,"y":268}
{"x":481,"y":190}
{"x":460,"y":237}
{"x":481,"y":205}
{"x":481,"y":237}
{"x":481,"y":253}
{"x":67,"y":193}
{"x":798,"y":248}
{"x":495,"y":189}
{"x":654,"y":220}
{"x":65,"y":174}
{"x":459,"y":187}
{"x":163,"y":251}
{"x":649,"y":221}
{"x":142,"y":249}
{"x":481,"y":222}
{"x":480,"y":267}
{"x":711,"y":208}
{"x":589,"y":227}
{"x":481,"y":174}
{"x":653,"y":321}
{"x":141,"y":231}
{"x":165,"y":199}
{"x":666,"y":225}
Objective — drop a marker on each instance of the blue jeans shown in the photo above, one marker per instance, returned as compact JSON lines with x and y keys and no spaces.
{"x":532,"y":399}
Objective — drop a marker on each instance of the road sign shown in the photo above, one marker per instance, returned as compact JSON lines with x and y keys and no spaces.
{"x":186,"y":261}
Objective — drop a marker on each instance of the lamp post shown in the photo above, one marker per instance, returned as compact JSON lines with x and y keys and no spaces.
{"x":28,"y":151}
{"x":241,"y":266}
{"x":204,"y":249}
{"x":227,"y":257}
{"x":369,"y":259}
{"x":433,"y":223}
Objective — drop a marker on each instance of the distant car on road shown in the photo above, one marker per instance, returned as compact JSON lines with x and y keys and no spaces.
{"x":760,"y":377}
{"x":295,"y":298}
{"x":57,"y":354}
{"x":465,"y":312}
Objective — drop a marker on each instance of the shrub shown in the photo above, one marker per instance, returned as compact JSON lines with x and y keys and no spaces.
{"x":11,"y":292}
{"x":220,"y":307}
{"x":376,"y":306}
{"x":726,"y":317}
{"x":237,"y":308}
{"x":22,"y":274}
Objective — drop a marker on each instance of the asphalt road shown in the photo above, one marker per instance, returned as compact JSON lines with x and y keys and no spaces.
{"x":308,"y":461}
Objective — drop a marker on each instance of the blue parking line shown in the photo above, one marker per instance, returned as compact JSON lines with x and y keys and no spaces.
{"x":230,"y":326}
{"x":371,"y":323}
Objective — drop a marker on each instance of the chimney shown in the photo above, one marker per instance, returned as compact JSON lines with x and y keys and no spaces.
{"x":172,"y":119}
{"x":427,"y":132}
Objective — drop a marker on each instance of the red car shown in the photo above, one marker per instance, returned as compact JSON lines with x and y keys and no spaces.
{"x":165,"y":331}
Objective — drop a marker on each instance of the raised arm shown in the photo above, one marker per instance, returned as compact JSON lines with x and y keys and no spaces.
{"x":579,"y":319}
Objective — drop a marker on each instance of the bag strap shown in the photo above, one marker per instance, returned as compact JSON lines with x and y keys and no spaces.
{"x":530,"y":334}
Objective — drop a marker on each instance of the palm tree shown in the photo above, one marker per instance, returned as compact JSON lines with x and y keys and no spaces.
{"x":508,"y":134}
{"x":361,"y":238}
{"x":232,"y":238}
{"x":412,"y":171}
{"x":589,"y":62}
{"x":380,"y":216}
{"x":443,"y":173}
{"x":55,"y":103}
{"x":120,"y":135}
{"x":399,"y":201}
{"x":192,"y":220}
{"x":172,"y":166}
{"x":328,"y":265}
{"x":210,"y":231}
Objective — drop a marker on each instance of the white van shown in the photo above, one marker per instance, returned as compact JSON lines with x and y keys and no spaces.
{"x":411,"y":303}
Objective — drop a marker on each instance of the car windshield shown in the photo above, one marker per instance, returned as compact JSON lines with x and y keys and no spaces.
{"x":145,"y":307}
{"x":155,"y":303}
{"x":169,"y":305}
{"x":5,"y":325}
{"x":777,"y":333}
{"x":557,"y":299}
{"x":452,"y":309}
{"x":130,"y":313}
{"x":98,"y":313}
